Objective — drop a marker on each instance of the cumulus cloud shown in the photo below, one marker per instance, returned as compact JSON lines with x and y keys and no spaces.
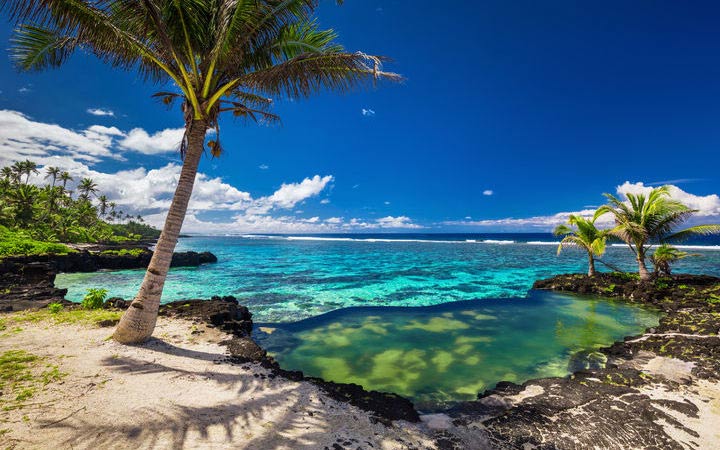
{"x":24,"y":138}
{"x":263,"y":167}
{"x":101,"y":112}
{"x":21,"y":138}
{"x":291,"y":194}
{"x":161,"y":142}
{"x":488,"y":192}
{"x":368,"y":112}
{"x":149,"y":191}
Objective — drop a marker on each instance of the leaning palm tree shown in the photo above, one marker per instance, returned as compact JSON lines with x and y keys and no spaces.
{"x":219,"y":55}
{"x":584,"y":235}
{"x":644,"y":220}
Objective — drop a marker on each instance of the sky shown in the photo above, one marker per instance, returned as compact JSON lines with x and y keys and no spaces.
{"x":511,"y":116}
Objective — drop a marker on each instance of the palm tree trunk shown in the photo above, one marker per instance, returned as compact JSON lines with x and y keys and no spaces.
{"x":591,"y":265}
{"x":138,"y":323}
{"x":642,"y":268}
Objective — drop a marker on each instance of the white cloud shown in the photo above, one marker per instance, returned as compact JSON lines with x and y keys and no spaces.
{"x":100,"y":112}
{"x":707,"y":205}
{"x":148,"y":191}
{"x":24,"y":138}
{"x":488,"y":192}
{"x":291,"y":194}
{"x":161,"y":142}
{"x":21,"y":138}
{"x":386,"y":203}
{"x":324,"y":201}
{"x":263,"y":167}
{"x":368,"y":112}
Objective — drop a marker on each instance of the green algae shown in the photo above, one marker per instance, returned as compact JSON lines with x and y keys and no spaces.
{"x":452,"y":352}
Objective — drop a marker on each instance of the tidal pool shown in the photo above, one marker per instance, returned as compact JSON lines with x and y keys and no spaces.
{"x":441,"y":354}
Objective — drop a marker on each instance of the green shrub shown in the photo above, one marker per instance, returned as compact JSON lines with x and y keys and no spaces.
{"x":94,"y":299}
{"x":124,"y":252}
{"x":14,"y":243}
{"x":55,"y":307}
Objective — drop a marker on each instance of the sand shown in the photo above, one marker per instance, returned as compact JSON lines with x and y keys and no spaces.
{"x":174,"y":392}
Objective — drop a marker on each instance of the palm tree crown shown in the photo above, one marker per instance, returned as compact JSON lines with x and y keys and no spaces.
{"x":222,"y":55}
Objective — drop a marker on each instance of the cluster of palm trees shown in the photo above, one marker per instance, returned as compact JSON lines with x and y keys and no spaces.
{"x":643,"y":221}
{"x":53,"y":212}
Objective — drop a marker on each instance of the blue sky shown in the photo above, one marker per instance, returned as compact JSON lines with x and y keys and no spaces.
{"x":511,"y":110}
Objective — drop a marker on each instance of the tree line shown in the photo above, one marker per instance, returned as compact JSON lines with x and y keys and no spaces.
{"x":63,"y":209}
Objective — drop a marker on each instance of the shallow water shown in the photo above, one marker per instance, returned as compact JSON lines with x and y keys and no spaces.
{"x":438,"y":355}
{"x":285,"y":279}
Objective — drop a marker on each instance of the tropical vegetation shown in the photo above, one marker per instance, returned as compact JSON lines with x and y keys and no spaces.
{"x":36,"y":217}
{"x":581,"y":233}
{"x":218,"y":56}
{"x":643,"y":221}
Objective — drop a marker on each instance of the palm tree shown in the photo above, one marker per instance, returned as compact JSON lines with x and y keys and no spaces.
{"x":52,"y":172}
{"x":103,"y":204}
{"x":645,"y":219}
{"x":86,"y":187}
{"x":585,"y":236}
{"x":65,"y":177}
{"x":27,"y":168}
{"x":221,"y":56}
{"x":664,"y":256}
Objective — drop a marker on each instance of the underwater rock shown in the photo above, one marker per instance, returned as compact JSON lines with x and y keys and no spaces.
{"x":586,"y":360}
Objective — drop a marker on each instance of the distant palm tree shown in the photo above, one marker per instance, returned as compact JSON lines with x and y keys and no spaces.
{"x":103,"y":204}
{"x":27,"y":168}
{"x":220,"y":55}
{"x":65,"y":177}
{"x":87,"y":187}
{"x":52,"y":172}
{"x":7,"y":173}
{"x":584,"y":235}
{"x":646,"y":219}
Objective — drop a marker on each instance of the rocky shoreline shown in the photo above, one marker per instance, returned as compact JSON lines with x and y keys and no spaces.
{"x":649,"y":391}
{"x":29,"y":281}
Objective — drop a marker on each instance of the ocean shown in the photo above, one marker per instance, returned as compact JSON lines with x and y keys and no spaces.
{"x":288,"y":278}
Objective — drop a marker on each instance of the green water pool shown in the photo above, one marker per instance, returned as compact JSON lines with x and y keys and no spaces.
{"x":442,"y":354}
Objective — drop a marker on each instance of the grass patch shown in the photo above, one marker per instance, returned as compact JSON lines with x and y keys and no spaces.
{"x":22,"y":376}
{"x":93,"y":317}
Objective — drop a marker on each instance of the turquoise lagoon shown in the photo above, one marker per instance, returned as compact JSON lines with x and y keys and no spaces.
{"x":441,"y":354}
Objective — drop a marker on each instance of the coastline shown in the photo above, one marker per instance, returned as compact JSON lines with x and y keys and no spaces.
{"x":661,"y":388}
